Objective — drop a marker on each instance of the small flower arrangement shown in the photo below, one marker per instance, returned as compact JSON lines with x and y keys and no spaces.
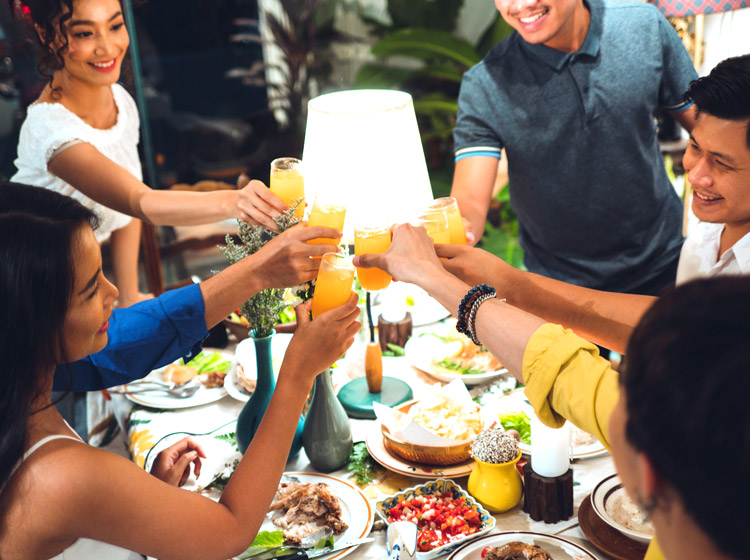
{"x":263,"y":309}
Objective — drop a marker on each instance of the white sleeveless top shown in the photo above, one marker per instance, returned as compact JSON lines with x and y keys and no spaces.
{"x":50,"y":126}
{"x":83,"y":549}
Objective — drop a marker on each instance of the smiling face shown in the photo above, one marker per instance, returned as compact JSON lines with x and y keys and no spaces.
{"x":97,"y":42}
{"x":717,"y":162}
{"x":558,"y":24}
{"x":87,"y":320}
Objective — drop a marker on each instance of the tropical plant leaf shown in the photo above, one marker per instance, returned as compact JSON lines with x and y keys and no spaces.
{"x":436,"y":103}
{"x":435,"y":14}
{"x":375,"y":75}
{"x":427,"y":44}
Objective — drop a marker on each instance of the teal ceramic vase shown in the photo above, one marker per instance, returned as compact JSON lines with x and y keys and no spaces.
{"x":254,"y":409}
{"x":327,"y":436}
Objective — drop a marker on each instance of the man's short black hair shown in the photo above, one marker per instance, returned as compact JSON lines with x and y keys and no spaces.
{"x":725,"y":92}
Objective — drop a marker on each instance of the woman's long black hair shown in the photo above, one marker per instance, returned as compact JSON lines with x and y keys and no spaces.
{"x":38,"y":230}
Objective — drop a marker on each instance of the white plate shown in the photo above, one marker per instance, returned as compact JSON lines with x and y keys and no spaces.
{"x":374,"y":442}
{"x":610,"y":488}
{"x":423,"y":348}
{"x":516,"y":401}
{"x":160,"y":399}
{"x":245,"y":355}
{"x":558,"y":548}
{"x":356,"y":510}
{"x":424,"y":309}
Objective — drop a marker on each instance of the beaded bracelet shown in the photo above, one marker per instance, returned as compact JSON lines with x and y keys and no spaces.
{"x":466,"y":305}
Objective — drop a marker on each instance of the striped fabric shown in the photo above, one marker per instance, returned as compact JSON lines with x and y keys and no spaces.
{"x":681,"y":8}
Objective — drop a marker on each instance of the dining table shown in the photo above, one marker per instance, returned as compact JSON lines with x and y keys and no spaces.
{"x":148,"y":429}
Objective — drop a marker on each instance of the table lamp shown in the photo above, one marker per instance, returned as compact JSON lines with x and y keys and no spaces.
{"x":363,"y":148}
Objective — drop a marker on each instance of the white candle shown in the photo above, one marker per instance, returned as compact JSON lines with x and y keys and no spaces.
{"x":550,"y":449}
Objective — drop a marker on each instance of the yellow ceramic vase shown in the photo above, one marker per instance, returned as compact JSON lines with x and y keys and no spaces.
{"x":497,"y":486}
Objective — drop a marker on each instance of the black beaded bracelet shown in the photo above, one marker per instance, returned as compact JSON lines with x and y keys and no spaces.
{"x":464,"y":308}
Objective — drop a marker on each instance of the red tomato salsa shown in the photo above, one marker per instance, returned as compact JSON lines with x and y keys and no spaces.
{"x":440,"y":518}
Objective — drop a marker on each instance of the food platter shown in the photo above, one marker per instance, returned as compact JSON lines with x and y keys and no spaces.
{"x":587,"y":447}
{"x":356,"y":510}
{"x":557,"y":547}
{"x":605,"y":538}
{"x":245,"y":355}
{"x":421,"y":350}
{"x":607,"y":499}
{"x":162,"y":400}
{"x":376,"y":448}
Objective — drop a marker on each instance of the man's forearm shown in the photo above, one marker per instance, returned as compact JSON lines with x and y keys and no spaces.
{"x":226,"y":291}
{"x":605,"y":318}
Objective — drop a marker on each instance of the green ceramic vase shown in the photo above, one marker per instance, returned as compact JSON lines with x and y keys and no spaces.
{"x":327,"y":436}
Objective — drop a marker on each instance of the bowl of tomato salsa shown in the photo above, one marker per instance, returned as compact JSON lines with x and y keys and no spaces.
{"x":445,"y":514}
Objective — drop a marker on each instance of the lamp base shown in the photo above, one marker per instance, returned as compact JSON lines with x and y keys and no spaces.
{"x":357,"y":398}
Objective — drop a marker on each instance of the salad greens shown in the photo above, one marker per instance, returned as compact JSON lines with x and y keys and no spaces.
{"x":204,"y":362}
{"x":517,"y":421}
{"x":447,"y":363}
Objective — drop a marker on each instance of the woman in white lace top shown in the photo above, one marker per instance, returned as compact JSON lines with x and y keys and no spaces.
{"x":80,"y":137}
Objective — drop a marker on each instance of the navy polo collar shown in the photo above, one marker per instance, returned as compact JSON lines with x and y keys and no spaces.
{"x":557,"y":59}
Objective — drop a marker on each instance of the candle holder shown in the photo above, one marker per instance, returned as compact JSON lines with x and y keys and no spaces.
{"x":548,"y":498}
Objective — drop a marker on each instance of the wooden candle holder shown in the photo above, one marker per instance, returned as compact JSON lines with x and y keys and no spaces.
{"x":548,"y":499}
{"x":394,"y":333}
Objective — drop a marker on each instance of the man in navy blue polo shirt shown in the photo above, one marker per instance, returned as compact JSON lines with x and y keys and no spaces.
{"x":570,"y":95}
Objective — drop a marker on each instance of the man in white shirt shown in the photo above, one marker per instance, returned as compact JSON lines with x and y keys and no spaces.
{"x":717,"y":162}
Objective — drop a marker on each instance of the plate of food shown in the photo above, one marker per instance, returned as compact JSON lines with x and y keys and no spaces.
{"x":240,"y":382}
{"x":447,"y":354}
{"x":612,"y":504}
{"x":210,"y":368}
{"x":514,"y":413}
{"x":338,"y":507}
{"x":512,"y":545}
{"x":376,"y":447}
{"x":605,"y":538}
{"x":437,"y":504}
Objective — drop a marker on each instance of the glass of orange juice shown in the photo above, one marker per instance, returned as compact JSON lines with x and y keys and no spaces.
{"x":449,"y":206}
{"x":334,"y":283}
{"x":326,"y":213}
{"x":372,"y":237}
{"x":288,"y":183}
{"x":436,"y":224}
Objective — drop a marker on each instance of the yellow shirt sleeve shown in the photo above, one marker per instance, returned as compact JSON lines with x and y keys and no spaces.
{"x":567,"y":379}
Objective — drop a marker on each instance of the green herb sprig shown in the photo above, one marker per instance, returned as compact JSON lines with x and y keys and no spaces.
{"x":361,"y":465}
{"x":263,"y":309}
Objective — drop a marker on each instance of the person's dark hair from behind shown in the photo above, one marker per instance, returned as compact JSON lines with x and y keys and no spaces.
{"x":37,"y":234}
{"x":725,"y":92}
{"x":687,"y":387}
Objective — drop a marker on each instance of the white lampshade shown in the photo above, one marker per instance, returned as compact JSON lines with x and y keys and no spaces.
{"x":363,"y":149}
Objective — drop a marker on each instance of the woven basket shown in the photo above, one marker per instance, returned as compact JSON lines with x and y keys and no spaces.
{"x":425,"y":454}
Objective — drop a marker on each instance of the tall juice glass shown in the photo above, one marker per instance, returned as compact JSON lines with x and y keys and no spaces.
{"x":326,"y":213}
{"x":372,"y":239}
{"x":334,"y":283}
{"x":449,"y":206}
{"x":288,"y":183}
{"x":436,"y":224}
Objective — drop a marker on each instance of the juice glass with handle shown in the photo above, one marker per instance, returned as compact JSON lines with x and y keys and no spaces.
{"x":334,"y":283}
{"x":436,"y":224}
{"x":326,"y":213}
{"x":449,"y":206}
{"x":288,"y":183}
{"x":372,"y":237}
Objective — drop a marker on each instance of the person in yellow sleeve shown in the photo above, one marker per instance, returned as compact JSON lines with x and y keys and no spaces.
{"x":680,"y":401}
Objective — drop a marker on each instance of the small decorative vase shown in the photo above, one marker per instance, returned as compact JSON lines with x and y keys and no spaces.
{"x":497,"y":486}
{"x":327,"y":435}
{"x":254,"y":409}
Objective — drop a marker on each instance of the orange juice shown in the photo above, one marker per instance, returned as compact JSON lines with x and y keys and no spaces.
{"x":288,"y":183}
{"x":436,"y":224}
{"x":449,"y":206}
{"x":372,"y":240}
{"x":329,"y":215}
{"x":334,"y":283}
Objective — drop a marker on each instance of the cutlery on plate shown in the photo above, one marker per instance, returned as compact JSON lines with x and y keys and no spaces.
{"x":302,"y":554}
{"x":180,"y":391}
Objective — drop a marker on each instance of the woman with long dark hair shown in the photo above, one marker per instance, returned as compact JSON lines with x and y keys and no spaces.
{"x":80,"y":137}
{"x":63,"y":499}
